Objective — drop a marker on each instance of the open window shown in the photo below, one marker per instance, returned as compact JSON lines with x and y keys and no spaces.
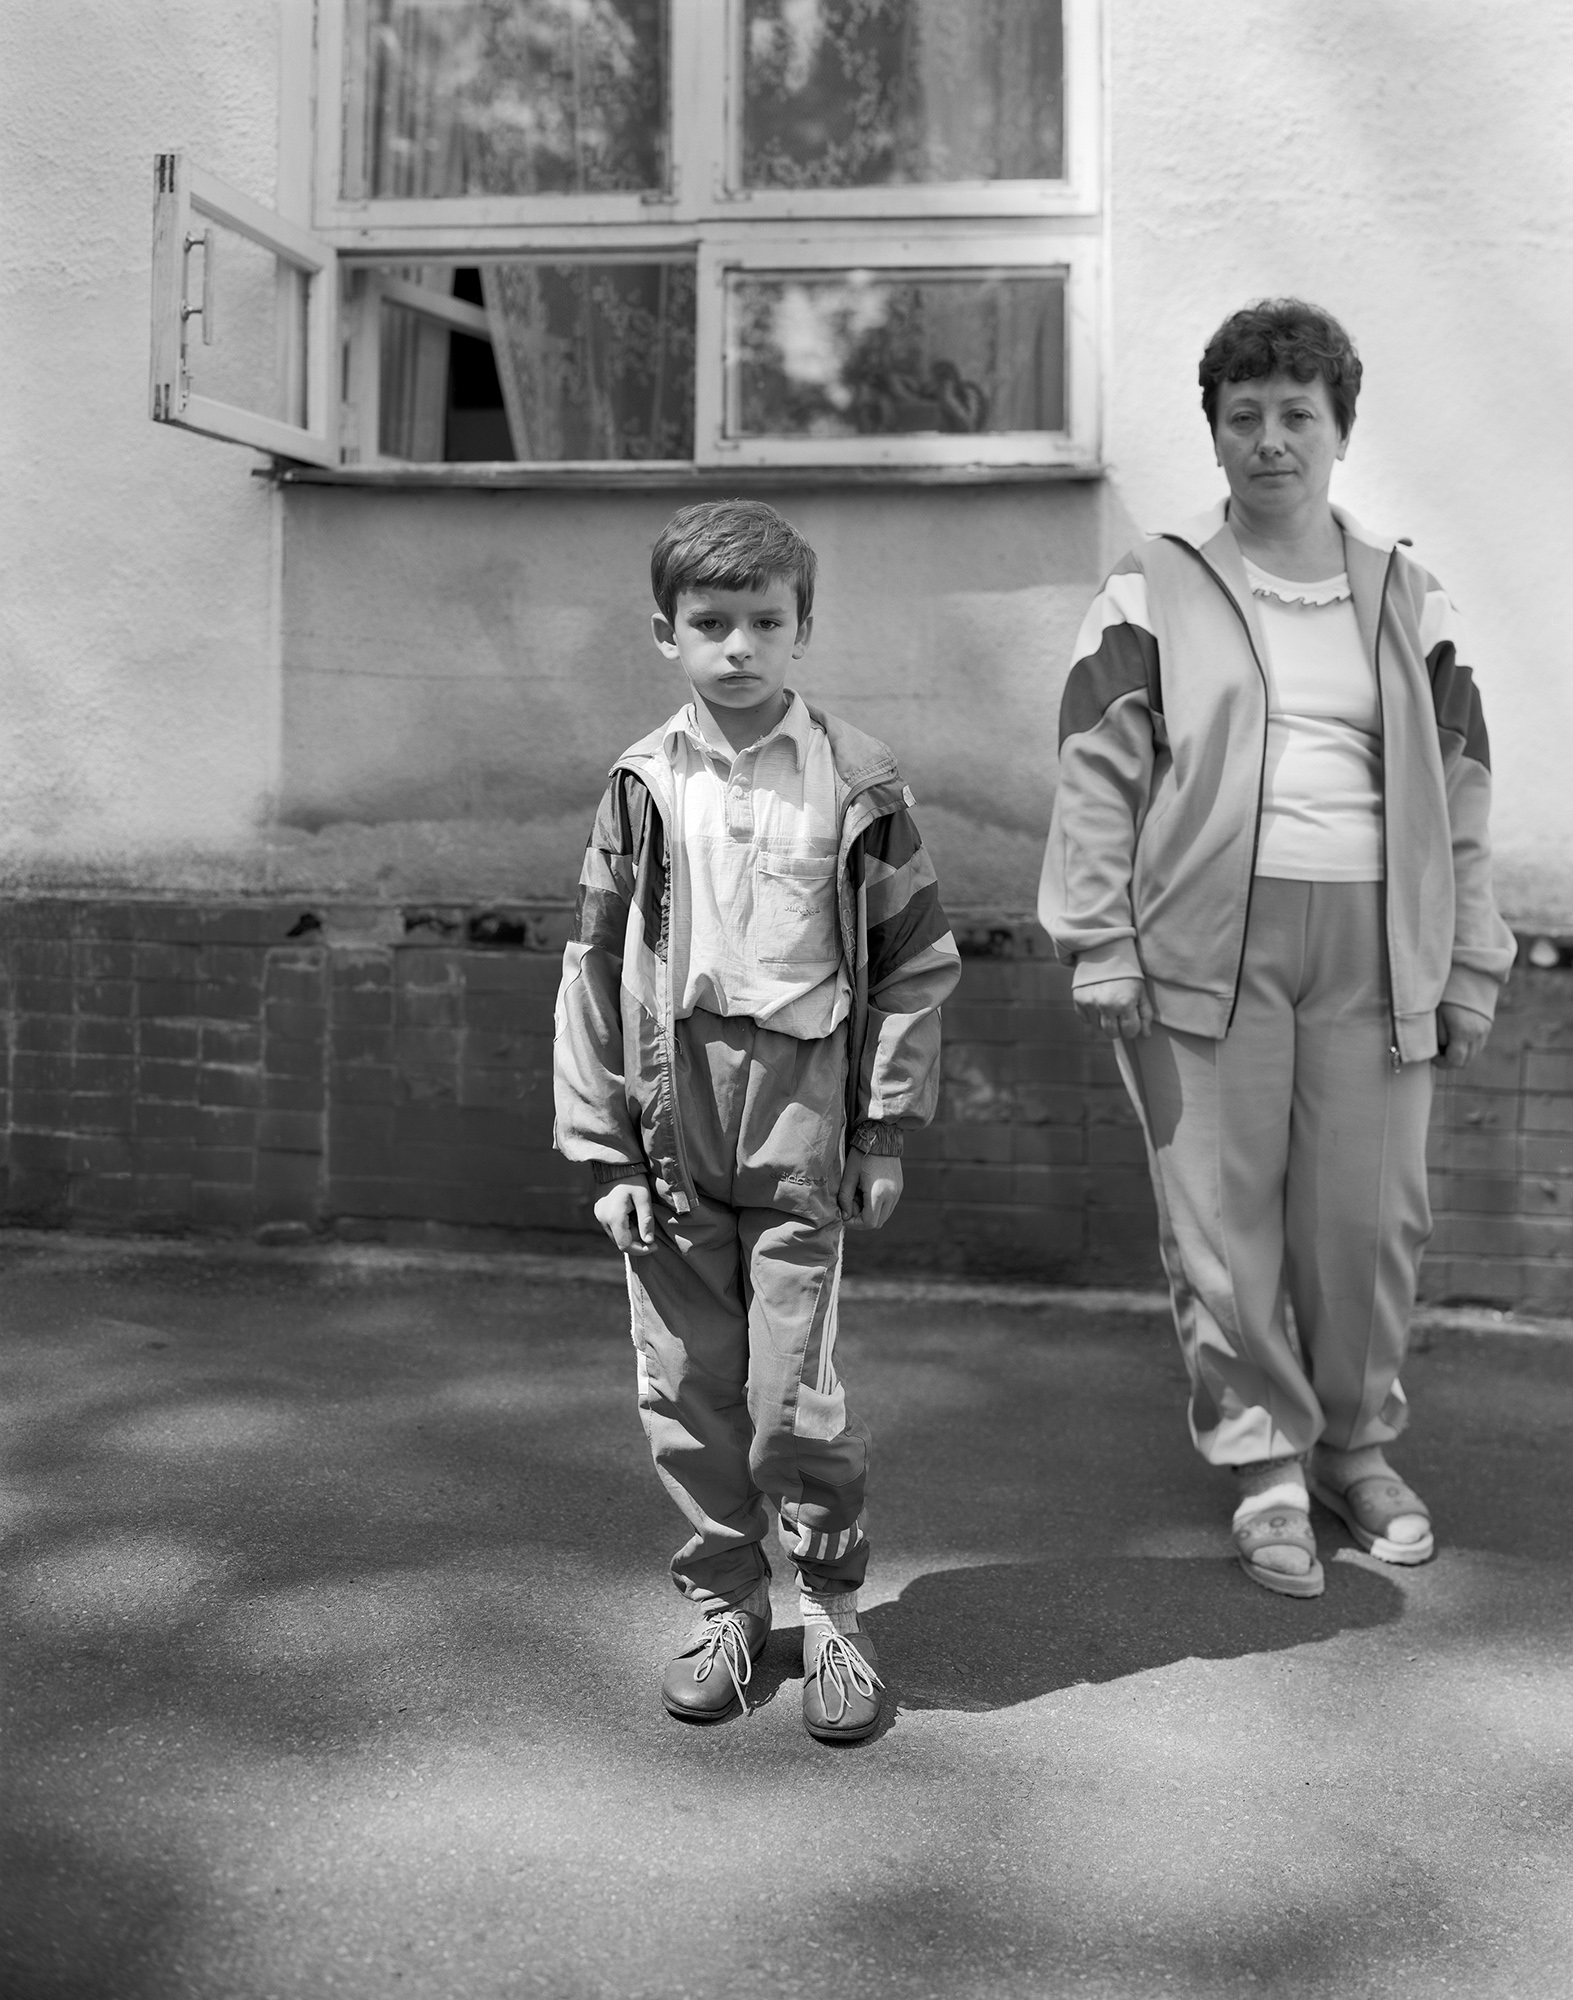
{"x":643,"y":234}
{"x":257,"y":367}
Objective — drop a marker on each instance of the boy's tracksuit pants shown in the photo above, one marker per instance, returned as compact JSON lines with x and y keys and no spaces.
{"x":734,"y":1316}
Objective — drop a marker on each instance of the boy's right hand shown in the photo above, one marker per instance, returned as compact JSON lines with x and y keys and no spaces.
{"x":626,"y":1214}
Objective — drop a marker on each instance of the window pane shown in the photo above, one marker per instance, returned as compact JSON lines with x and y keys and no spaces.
{"x":584,"y":361}
{"x":885,"y":93}
{"x":885,"y":354}
{"x":477,"y":97}
{"x":253,"y":356}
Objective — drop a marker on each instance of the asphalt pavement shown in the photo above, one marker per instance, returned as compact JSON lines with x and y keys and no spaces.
{"x":338,"y":1607}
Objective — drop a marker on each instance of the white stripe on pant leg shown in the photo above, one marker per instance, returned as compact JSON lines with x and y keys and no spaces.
{"x":641,"y":1366}
{"x":1182,"y":1299}
{"x":821,"y":1411}
{"x":826,"y":1380}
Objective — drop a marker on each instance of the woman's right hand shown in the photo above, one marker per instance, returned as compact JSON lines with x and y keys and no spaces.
{"x":1118,"y":1008}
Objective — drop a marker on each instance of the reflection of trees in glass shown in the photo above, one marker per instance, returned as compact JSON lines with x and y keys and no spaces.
{"x":877,"y":93}
{"x":855,"y":357}
{"x":596,"y":360}
{"x":509,"y":96}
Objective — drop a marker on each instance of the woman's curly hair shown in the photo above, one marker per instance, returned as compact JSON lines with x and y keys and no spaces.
{"x":1282,"y":337}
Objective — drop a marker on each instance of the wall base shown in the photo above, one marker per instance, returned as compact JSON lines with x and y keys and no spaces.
{"x":383,"y":1073}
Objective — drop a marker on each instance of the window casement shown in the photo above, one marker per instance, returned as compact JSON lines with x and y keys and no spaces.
{"x":614,"y":237}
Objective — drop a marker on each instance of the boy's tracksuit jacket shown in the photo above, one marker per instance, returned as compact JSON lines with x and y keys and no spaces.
{"x":613,"y":1059}
{"x":1163,"y":741}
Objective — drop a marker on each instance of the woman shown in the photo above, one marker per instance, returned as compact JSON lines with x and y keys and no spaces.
{"x":1268,"y":863}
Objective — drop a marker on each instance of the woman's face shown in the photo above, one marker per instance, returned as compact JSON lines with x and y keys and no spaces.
{"x":1277,"y":441}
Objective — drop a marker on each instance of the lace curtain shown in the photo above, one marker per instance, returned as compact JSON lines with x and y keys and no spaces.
{"x":594,"y":361}
{"x":865,"y":354}
{"x":881,"y":93}
{"x":471,"y":97}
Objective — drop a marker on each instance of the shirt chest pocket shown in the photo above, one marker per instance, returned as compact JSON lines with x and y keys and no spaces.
{"x":795,"y":910}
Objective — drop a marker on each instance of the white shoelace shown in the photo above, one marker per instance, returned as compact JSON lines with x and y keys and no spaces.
{"x":726,"y":1640}
{"x":839,"y":1665}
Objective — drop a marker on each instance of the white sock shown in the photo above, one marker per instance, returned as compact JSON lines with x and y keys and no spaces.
{"x":1271,"y":1482}
{"x":1342,"y":1468}
{"x":841,"y":1612}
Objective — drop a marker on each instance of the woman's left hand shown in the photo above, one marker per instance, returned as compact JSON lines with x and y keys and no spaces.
{"x":1460,"y":1034}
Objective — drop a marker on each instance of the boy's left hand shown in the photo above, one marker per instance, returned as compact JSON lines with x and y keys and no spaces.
{"x":870,"y":1189}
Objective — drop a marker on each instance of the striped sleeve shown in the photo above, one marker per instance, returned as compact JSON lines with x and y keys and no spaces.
{"x":1483,"y":947}
{"x":1112,"y":705}
{"x":591,"y":1116}
{"x":1454,"y":695}
{"x":913,"y":966}
{"x":905,"y":920}
{"x":1116,"y":655}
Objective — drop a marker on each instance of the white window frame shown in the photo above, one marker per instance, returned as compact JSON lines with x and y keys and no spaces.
{"x":183,"y":195}
{"x":346,"y":248}
{"x":1076,"y":192}
{"x":704,"y":176}
{"x":796,"y":252}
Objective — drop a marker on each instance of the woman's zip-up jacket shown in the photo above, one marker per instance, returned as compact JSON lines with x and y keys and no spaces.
{"x":1163,"y":742}
{"x":613,"y":1061}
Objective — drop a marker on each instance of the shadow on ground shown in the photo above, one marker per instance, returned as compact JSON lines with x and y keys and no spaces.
{"x":1002,"y":1633}
{"x":993,"y":1635}
{"x":340,"y":1606}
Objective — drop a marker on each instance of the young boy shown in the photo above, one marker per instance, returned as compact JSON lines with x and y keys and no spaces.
{"x":748,"y":1018}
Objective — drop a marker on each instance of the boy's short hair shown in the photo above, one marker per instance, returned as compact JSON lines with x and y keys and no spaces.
{"x":730,"y":545}
{"x":1282,"y":337}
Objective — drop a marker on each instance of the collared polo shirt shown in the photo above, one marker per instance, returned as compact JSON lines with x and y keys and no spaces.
{"x":753,"y":926}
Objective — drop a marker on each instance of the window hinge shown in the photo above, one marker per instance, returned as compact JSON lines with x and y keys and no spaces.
{"x":204,"y":312}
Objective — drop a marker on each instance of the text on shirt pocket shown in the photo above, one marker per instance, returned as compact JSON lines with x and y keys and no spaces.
{"x":795,"y":909}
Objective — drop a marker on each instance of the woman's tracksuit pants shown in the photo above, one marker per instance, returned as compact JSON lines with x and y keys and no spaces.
{"x":1288,"y":1161}
{"x":734,"y":1317}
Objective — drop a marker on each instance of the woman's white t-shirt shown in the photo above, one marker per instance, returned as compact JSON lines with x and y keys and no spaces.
{"x":1322,"y":785}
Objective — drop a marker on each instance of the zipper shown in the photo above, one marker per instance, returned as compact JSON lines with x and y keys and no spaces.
{"x":1394,"y":1057}
{"x":1261,"y":770}
{"x":668,"y":1027}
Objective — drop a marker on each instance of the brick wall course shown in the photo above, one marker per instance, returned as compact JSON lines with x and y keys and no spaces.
{"x":381,"y":1072}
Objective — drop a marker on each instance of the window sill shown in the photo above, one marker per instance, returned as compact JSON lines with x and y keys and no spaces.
{"x":624,"y":478}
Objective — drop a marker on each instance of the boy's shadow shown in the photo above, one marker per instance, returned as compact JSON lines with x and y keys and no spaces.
{"x":1001,"y":1633}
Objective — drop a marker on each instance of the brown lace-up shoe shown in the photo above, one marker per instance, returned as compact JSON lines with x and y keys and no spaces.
{"x":841,"y":1685}
{"x":707,"y":1680}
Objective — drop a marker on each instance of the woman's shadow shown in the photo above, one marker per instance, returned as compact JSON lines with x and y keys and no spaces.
{"x":990,"y":1636}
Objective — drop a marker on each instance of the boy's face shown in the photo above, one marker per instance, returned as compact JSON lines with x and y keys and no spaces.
{"x":736,"y":646}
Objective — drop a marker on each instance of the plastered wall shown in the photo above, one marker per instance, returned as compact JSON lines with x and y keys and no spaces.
{"x":502,"y":643}
{"x":139,"y":687}
{"x":1410,"y":166}
{"x":206,"y":687}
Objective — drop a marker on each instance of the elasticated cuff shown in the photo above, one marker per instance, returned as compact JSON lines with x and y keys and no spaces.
{"x":606,"y":1173}
{"x":1478,"y":991}
{"x":1104,"y":962}
{"x":877,"y":1136}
